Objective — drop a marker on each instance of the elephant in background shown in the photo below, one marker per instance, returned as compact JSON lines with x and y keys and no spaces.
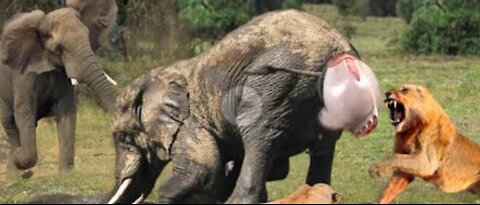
{"x":281,"y":84}
{"x":43,"y":57}
{"x":99,"y":16}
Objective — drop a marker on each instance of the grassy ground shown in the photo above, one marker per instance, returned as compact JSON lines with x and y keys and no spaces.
{"x":453,"y":80}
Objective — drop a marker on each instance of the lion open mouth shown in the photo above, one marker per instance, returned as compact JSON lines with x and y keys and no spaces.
{"x":397,"y":111}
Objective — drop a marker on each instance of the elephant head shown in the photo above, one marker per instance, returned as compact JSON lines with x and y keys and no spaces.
{"x":351,"y":96}
{"x":99,"y":17}
{"x":36,"y":42}
{"x":148,"y":116}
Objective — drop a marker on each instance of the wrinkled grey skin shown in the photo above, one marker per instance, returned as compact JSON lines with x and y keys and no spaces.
{"x":242,"y":94}
{"x":41,"y":53}
{"x":243,"y":101}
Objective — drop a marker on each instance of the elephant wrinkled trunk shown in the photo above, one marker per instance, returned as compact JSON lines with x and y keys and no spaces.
{"x":91,"y":73}
{"x":135,"y":174}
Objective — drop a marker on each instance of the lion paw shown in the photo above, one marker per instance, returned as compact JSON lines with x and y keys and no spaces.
{"x":378,"y":171}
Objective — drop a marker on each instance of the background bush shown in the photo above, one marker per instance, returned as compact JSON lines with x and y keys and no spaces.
{"x":212,"y":19}
{"x":444,"y":27}
{"x":293,"y":4}
{"x":382,"y":7}
{"x":406,"y":8}
{"x":365,"y":8}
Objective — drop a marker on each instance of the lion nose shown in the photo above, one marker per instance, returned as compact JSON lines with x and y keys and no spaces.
{"x":388,"y":96}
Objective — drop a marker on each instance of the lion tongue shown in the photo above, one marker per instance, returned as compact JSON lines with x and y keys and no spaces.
{"x":396,"y":117}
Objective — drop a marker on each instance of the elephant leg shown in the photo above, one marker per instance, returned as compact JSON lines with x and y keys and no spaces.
{"x":259,"y":155}
{"x":12,"y":137}
{"x":66,"y":126}
{"x":321,"y":158}
{"x":25,"y":114}
{"x":196,"y":168}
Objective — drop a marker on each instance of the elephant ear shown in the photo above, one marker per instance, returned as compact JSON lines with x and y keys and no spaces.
{"x":22,"y":44}
{"x":99,"y":16}
{"x":165,"y":107}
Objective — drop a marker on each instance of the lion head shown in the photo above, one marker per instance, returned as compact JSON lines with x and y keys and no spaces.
{"x":412,"y":107}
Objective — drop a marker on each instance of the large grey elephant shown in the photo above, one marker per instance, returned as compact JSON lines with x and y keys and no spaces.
{"x":43,"y":57}
{"x":281,"y":84}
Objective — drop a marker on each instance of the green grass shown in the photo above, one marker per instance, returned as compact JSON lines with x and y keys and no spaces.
{"x":454,"y":81}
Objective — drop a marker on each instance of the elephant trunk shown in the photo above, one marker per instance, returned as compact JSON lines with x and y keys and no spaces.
{"x":93,"y":75}
{"x":135,"y":175}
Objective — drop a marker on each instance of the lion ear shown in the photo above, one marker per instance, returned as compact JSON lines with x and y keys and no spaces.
{"x":165,"y":106}
{"x":22,"y":45}
{"x":336,"y":197}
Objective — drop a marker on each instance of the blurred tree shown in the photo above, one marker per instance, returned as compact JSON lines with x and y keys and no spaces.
{"x":11,"y":7}
{"x":444,"y":27}
{"x":213,"y":19}
{"x":318,"y":1}
{"x":261,"y":6}
{"x":293,"y":4}
{"x":364,"y":8}
{"x":382,"y":7}
{"x":151,"y":28}
{"x":406,"y":8}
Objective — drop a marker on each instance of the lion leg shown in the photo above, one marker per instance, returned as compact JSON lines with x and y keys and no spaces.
{"x":397,"y":183}
{"x":422,"y":164}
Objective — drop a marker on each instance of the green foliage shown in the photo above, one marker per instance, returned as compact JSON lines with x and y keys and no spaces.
{"x":350,"y":7}
{"x":382,"y":7}
{"x":293,"y":4}
{"x":365,"y":8}
{"x":317,"y":1}
{"x":444,"y":27}
{"x":212,"y":19}
{"x":406,"y":8}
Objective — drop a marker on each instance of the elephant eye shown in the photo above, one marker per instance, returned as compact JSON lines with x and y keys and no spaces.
{"x":58,"y":49}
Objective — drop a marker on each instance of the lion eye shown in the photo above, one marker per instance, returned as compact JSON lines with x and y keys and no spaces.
{"x":404,"y":89}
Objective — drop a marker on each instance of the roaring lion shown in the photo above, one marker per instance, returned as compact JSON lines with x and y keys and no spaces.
{"x":427,"y":145}
{"x":317,"y":194}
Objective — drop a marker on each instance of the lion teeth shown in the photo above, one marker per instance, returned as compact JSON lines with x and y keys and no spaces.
{"x":395,"y":121}
{"x":395,"y":104}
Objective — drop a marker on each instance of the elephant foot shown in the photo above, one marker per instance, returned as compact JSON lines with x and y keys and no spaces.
{"x":24,"y":159}
{"x":14,"y":173}
{"x":65,"y":167}
{"x":248,"y":199}
{"x":17,"y":173}
{"x":27,"y":174}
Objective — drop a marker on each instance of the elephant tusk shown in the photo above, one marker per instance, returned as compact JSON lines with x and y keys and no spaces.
{"x":139,"y":200}
{"x":110,"y":79}
{"x":120,"y":191}
{"x":74,"y":81}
